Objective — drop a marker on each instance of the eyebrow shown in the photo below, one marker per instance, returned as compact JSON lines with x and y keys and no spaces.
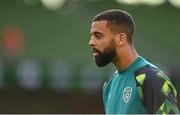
{"x":95,"y":33}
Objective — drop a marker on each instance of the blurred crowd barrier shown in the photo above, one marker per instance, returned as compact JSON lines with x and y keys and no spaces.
{"x":33,"y":86}
{"x":31,"y":74}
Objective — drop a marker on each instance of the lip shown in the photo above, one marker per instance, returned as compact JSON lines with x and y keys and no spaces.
{"x":95,"y":53}
{"x":95,"y":50}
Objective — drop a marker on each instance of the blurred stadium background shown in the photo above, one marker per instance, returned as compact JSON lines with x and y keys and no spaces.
{"x":46,"y":65}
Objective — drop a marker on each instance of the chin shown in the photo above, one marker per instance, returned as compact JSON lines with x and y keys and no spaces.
{"x":101,"y":64}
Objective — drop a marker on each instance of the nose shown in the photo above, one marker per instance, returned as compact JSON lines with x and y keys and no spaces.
{"x":91,"y":42}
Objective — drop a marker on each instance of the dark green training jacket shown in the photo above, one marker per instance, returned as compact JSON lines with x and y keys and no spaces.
{"x":142,"y":88}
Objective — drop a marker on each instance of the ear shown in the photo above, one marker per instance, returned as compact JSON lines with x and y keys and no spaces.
{"x":121,"y":38}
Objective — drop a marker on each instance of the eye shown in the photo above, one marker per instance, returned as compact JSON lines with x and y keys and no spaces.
{"x":98,"y":35}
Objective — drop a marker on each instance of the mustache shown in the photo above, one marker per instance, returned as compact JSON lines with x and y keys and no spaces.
{"x":96,"y":50}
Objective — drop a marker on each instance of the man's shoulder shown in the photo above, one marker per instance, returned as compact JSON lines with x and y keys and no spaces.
{"x":147,"y":69}
{"x":151,"y":73}
{"x":152,"y":77}
{"x":154,"y":86}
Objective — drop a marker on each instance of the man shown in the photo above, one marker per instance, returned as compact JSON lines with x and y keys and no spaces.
{"x":137,"y":86}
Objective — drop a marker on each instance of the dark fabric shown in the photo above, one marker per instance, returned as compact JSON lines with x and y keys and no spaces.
{"x":153,"y":96}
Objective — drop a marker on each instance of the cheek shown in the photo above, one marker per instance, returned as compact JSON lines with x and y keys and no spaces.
{"x":104,"y":43}
{"x":103,"y":46}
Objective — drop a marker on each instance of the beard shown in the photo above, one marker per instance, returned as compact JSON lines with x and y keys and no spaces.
{"x":105,"y":57}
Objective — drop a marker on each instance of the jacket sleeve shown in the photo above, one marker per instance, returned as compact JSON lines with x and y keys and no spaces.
{"x":159,"y":94}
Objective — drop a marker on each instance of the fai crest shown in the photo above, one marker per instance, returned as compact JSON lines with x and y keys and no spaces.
{"x":127,"y":94}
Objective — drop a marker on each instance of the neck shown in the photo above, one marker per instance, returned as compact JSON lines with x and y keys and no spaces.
{"x":125,"y":58}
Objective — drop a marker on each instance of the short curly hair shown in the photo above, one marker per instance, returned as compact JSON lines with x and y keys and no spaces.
{"x":118,"y":21}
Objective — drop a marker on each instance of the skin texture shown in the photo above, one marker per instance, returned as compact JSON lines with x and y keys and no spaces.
{"x":109,"y":46}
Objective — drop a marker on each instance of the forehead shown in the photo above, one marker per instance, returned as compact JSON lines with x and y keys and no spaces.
{"x":99,"y":26}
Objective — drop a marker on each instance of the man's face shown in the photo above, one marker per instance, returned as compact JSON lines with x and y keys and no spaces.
{"x":103,"y":43}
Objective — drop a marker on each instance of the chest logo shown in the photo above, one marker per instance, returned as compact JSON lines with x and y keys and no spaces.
{"x":127,"y":94}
